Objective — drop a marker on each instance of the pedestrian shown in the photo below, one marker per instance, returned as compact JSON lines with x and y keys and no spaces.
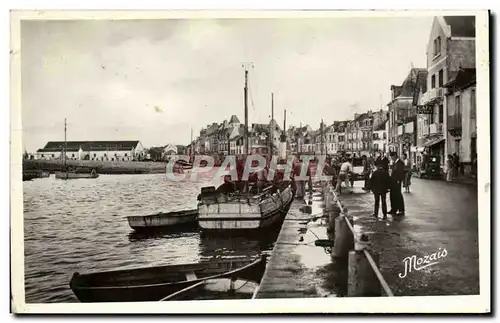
{"x":300,"y":184}
{"x":449,"y":169}
{"x":407,"y":170}
{"x":366,"y":172}
{"x":397,"y":177}
{"x":379,"y":184}
{"x":345,"y":170}
{"x":382,"y":160}
{"x":456,"y":165}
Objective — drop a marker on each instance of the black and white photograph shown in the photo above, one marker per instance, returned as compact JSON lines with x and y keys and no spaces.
{"x":250,"y":162}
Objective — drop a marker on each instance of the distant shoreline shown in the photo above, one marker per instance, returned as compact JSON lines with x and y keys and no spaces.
{"x":101,"y":167}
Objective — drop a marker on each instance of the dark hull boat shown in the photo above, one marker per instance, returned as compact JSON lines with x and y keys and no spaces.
{"x":163,"y":221}
{"x":156,"y":283}
{"x":29,"y":175}
{"x":75,"y":175}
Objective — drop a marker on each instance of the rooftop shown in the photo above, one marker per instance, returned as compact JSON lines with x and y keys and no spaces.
{"x":53,"y":146}
{"x":461,"y":26}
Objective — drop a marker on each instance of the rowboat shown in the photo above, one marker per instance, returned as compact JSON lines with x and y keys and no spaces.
{"x":218,"y":288}
{"x":243,"y":213}
{"x":155,"y":283}
{"x":163,"y":220}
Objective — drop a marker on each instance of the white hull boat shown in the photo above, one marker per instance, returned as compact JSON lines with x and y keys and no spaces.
{"x":238,"y":213}
{"x":163,"y":220}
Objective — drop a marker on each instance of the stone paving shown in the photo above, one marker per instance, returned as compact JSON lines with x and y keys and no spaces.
{"x":439,"y":216}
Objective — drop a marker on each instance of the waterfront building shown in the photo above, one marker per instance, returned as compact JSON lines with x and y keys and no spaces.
{"x":402,"y":122}
{"x":461,"y":112}
{"x":379,"y":137}
{"x":93,"y":150}
{"x":450,"y":49}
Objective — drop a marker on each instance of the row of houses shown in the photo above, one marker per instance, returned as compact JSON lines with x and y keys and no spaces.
{"x":366,"y":133}
{"x":227,"y":138}
{"x":434,"y":110}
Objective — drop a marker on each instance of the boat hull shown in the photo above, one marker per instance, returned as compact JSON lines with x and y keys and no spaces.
{"x":244,"y":217}
{"x":155,"y":283}
{"x":163,"y":221}
{"x":65,"y":175}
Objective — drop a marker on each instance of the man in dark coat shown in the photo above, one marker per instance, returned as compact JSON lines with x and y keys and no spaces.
{"x":382,"y":160}
{"x":397,"y":177}
{"x":379,"y":184}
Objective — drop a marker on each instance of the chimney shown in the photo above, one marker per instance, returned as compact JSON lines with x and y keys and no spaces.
{"x":369,"y":113}
{"x":356,"y":116}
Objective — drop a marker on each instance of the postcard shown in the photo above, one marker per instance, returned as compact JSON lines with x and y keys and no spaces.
{"x":250,"y":162}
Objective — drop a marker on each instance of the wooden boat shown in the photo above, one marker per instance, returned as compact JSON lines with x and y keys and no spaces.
{"x":75,"y":175}
{"x":241,"y":213}
{"x":218,"y":288}
{"x":163,"y":220}
{"x":32,"y":174}
{"x":28,"y":176}
{"x":155,"y":283}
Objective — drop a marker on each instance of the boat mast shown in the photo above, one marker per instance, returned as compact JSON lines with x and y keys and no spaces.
{"x":271,"y":126}
{"x":321,"y":134}
{"x":192,"y":146}
{"x":246,"y":112}
{"x":65,"y":146}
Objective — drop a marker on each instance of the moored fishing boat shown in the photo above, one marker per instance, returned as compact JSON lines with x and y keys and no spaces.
{"x":75,"y":175}
{"x":163,"y":220}
{"x":155,"y":283}
{"x":242,"y":212}
{"x":32,"y":174}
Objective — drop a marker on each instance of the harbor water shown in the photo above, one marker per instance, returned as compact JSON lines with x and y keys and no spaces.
{"x":81,"y":226}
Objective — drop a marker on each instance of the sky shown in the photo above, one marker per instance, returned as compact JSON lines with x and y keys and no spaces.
{"x":155,"y":80}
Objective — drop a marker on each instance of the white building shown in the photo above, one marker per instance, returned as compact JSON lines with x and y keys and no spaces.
{"x":379,"y":139}
{"x":92,"y":150}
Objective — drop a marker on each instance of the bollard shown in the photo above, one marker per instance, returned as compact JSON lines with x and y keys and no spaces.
{"x":333,"y":213}
{"x":328,"y":201}
{"x":343,"y":238}
{"x":361,"y":279}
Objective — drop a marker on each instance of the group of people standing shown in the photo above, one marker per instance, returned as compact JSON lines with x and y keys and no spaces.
{"x":390,"y":177}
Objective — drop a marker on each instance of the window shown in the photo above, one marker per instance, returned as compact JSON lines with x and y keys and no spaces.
{"x":385,"y":135}
{"x":433,"y":81}
{"x":437,"y":46}
{"x":441,"y":113}
{"x":125,"y":154}
{"x":473,"y":103}
{"x":441,"y":78}
{"x":43,"y":156}
{"x":72,"y":155}
{"x":95,"y":155}
{"x":53,"y":155}
{"x":375,"y":146}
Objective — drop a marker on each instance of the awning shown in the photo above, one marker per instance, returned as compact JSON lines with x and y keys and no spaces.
{"x":433,"y":142}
